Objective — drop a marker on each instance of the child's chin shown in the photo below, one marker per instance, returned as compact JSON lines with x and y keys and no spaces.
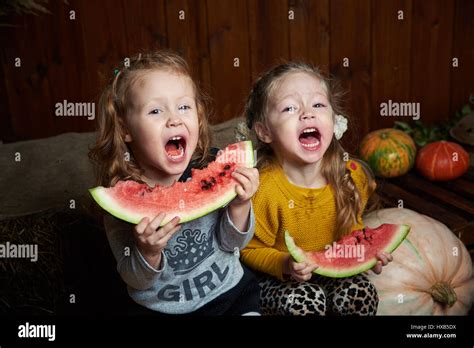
{"x":172,"y":167}
{"x":310,"y":157}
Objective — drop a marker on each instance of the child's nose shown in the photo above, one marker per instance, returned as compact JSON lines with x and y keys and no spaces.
{"x":174,"y":121}
{"x":307,"y":114}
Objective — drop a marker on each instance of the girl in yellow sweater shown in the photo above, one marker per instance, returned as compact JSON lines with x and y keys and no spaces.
{"x":308,"y":186}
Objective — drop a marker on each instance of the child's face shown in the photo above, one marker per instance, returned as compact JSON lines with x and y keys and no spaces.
{"x":162,"y":124}
{"x":300,"y":119}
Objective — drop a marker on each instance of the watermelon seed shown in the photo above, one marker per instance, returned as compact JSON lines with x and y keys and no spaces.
{"x":206,"y":185}
{"x":222,"y":174}
{"x":227,"y":167}
{"x":213,"y":180}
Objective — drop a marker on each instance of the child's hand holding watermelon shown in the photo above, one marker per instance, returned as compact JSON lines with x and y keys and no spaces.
{"x":239,"y":208}
{"x":151,"y":241}
{"x":383,"y":260}
{"x":248,"y":184}
{"x":299,"y":271}
{"x":302,"y":271}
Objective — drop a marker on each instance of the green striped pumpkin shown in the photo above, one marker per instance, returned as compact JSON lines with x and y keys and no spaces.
{"x":389,"y":152}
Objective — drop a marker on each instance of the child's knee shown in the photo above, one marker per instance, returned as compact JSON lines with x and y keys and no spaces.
{"x":356,"y":295}
{"x":304,"y":299}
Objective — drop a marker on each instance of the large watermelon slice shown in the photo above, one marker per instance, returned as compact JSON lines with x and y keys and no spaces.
{"x":354,"y":253}
{"x":209,"y":189}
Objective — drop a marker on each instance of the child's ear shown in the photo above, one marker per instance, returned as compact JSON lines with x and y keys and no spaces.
{"x":263,"y":133}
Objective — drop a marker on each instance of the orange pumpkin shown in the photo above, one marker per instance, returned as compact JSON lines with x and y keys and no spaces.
{"x":431,"y":272}
{"x":389,"y":152}
{"x":442,"y":160}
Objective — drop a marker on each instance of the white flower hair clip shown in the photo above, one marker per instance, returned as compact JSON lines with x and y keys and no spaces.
{"x":340,"y":126}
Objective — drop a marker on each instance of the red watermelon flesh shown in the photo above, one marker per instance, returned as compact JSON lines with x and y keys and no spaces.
{"x":354,"y":253}
{"x":209,"y":189}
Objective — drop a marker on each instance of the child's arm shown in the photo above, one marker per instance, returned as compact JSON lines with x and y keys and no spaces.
{"x":229,"y":236}
{"x":279,"y":264}
{"x":261,"y":253}
{"x":239,"y":208}
{"x":263,"y":258}
{"x":132,"y":266}
{"x":236,"y":226}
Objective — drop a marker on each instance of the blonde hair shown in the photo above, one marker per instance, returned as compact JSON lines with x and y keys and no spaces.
{"x":333,"y":167}
{"x":109,"y":152}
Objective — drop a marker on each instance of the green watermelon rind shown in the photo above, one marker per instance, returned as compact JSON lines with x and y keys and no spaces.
{"x":107,"y":203}
{"x":299,"y":255}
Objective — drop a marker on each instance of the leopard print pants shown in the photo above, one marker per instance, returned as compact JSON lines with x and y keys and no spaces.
{"x":319,"y":296}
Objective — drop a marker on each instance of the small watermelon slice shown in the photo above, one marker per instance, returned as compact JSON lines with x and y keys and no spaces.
{"x":208,"y":189}
{"x":354,"y":253}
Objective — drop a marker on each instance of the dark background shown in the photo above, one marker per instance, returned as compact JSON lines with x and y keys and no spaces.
{"x":407,"y":60}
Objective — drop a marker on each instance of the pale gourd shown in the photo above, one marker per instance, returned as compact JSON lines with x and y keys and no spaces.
{"x":431,"y":273}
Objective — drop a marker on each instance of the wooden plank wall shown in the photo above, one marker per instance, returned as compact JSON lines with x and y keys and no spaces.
{"x":407,"y":60}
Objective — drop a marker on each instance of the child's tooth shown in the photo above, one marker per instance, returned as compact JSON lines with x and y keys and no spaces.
{"x":181,"y":154}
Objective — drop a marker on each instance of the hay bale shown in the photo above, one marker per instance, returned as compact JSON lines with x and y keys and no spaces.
{"x":74,"y":258}
{"x":31,"y":287}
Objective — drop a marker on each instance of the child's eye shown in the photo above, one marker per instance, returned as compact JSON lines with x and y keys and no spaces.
{"x":183,"y":108}
{"x":318,"y":105}
{"x":155,"y":112}
{"x":290,"y":109}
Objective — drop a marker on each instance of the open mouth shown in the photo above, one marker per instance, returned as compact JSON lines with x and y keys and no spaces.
{"x":310,"y":138}
{"x":175,"y":148}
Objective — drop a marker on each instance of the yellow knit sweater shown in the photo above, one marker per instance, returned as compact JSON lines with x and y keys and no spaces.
{"x":308,"y":214}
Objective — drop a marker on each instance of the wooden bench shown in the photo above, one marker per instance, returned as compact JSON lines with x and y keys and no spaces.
{"x":451,"y":203}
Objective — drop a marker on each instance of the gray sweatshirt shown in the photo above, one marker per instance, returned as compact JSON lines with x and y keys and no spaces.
{"x":200,"y":262}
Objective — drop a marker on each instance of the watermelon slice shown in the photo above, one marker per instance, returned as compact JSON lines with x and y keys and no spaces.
{"x":208,"y":189}
{"x":354,"y":253}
